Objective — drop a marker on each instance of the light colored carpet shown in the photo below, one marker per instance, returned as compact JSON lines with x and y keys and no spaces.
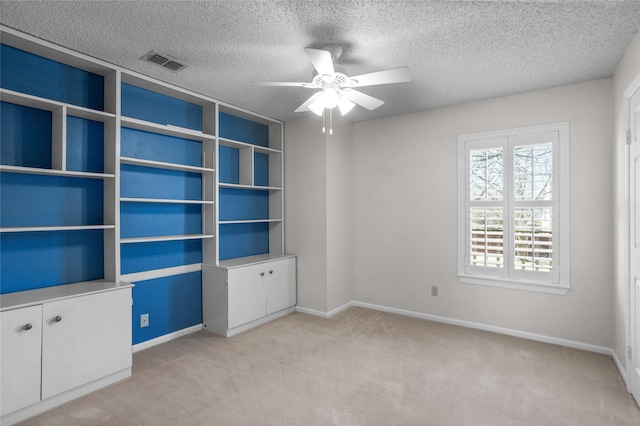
{"x":360,"y":367}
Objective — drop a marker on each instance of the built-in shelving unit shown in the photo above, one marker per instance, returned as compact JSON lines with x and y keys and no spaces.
{"x":109,"y":174}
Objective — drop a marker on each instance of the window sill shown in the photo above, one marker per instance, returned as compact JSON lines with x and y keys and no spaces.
{"x":536,"y":287}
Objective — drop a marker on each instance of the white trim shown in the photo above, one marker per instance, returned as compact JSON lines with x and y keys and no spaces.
{"x":165,"y":338}
{"x":324,"y":314}
{"x":558,"y":282}
{"x":54,"y":401}
{"x":261,"y":321}
{"x":485,"y":327}
{"x":621,"y":369}
{"x":161,"y":273}
{"x":514,"y":284}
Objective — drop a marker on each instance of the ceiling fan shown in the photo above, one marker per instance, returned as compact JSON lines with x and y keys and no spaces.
{"x":336,"y":88}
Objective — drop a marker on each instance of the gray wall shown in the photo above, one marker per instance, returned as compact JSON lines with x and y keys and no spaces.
{"x":628,"y":70}
{"x":372,"y":212}
{"x":405,"y":213}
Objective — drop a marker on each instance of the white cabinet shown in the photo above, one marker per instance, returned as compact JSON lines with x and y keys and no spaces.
{"x":20,"y":352}
{"x":87,"y":343}
{"x":237,"y":296}
{"x":61,"y":342}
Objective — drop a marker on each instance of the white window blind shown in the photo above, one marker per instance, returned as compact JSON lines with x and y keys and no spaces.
{"x":513,"y":187}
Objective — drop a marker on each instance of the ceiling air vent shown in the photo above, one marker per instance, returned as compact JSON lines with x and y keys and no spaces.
{"x":164,"y":61}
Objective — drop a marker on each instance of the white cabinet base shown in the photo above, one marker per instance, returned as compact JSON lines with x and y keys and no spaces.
{"x":246,"y":292}
{"x":249,"y":325}
{"x":54,"y":401}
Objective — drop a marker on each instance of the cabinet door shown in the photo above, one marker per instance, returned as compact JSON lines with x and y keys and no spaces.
{"x":20,"y":355}
{"x":247,"y":294}
{"x":281,"y":285}
{"x":85,"y":338}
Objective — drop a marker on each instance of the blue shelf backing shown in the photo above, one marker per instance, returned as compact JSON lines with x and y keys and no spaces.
{"x":228,"y":165}
{"x":140,"y":257}
{"x":40,"y":200}
{"x":25,"y":136}
{"x":156,"y":147}
{"x":32,"y":260}
{"x":243,"y":239}
{"x":85,"y":145}
{"x":157,"y":108}
{"x":173,"y":303}
{"x":155,"y":219}
{"x":243,"y":204}
{"x":261,"y":169}
{"x":24,"y":72}
{"x":242,"y":130}
{"x":149,"y":182}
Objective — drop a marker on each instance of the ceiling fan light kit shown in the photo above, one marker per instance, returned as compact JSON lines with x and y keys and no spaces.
{"x":337,"y":88}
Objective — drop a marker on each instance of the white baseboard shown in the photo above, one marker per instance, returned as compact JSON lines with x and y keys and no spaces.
{"x":165,"y":338}
{"x":494,"y":329}
{"x":329,"y":314}
{"x":478,"y":326}
{"x":621,"y":369}
{"x":64,"y":397}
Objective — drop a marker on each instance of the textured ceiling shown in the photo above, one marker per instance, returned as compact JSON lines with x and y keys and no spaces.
{"x":456,"y":51}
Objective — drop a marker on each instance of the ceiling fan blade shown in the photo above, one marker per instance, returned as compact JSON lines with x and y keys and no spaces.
{"x":321,"y":60}
{"x":394,"y":75}
{"x":283,"y":83}
{"x":305,"y":105}
{"x":364,"y":100}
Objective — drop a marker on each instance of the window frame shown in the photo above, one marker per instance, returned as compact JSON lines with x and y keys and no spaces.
{"x":558,"y":280}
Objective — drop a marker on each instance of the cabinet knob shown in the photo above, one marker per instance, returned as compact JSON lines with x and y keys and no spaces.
{"x":271,"y":271}
{"x":262,"y":274}
{"x":58,"y":318}
{"x":28,"y":326}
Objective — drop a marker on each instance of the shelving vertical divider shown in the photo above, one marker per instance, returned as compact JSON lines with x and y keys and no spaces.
{"x":59,"y":138}
{"x":276,"y":178}
{"x":111,"y":188}
{"x":210,"y":184}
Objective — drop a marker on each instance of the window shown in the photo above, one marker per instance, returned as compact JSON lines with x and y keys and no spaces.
{"x":514,"y":208}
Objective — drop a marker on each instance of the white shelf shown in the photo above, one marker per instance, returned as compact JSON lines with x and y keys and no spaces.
{"x":163,"y":165}
{"x":54,"y":228}
{"x":168,"y":129}
{"x":231,"y":222}
{"x":54,"y":172}
{"x":240,"y":145}
{"x":252,"y":187}
{"x":164,"y":238}
{"x":50,"y":105}
{"x":20,"y":299}
{"x":163,"y":201}
{"x":239,"y":262}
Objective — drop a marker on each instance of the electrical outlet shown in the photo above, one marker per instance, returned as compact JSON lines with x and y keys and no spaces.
{"x":144,"y":320}
{"x":434,"y":290}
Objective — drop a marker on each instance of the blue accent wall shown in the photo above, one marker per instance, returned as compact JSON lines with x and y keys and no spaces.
{"x":156,"y":147}
{"x":32,"y":260}
{"x":261,"y":169}
{"x":24,"y":72}
{"x":149,"y":182}
{"x":156,"y":219}
{"x":85,"y":145}
{"x":25,"y":136}
{"x":228,"y":165}
{"x":140,"y":257}
{"x":39,"y":200}
{"x":243,"y":204}
{"x":173,"y":303}
{"x":243,"y":239}
{"x":146,"y":105}
{"x":242,"y":130}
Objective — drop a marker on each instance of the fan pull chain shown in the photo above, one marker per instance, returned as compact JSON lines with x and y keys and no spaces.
{"x":323,"y":120}
{"x":331,"y":121}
